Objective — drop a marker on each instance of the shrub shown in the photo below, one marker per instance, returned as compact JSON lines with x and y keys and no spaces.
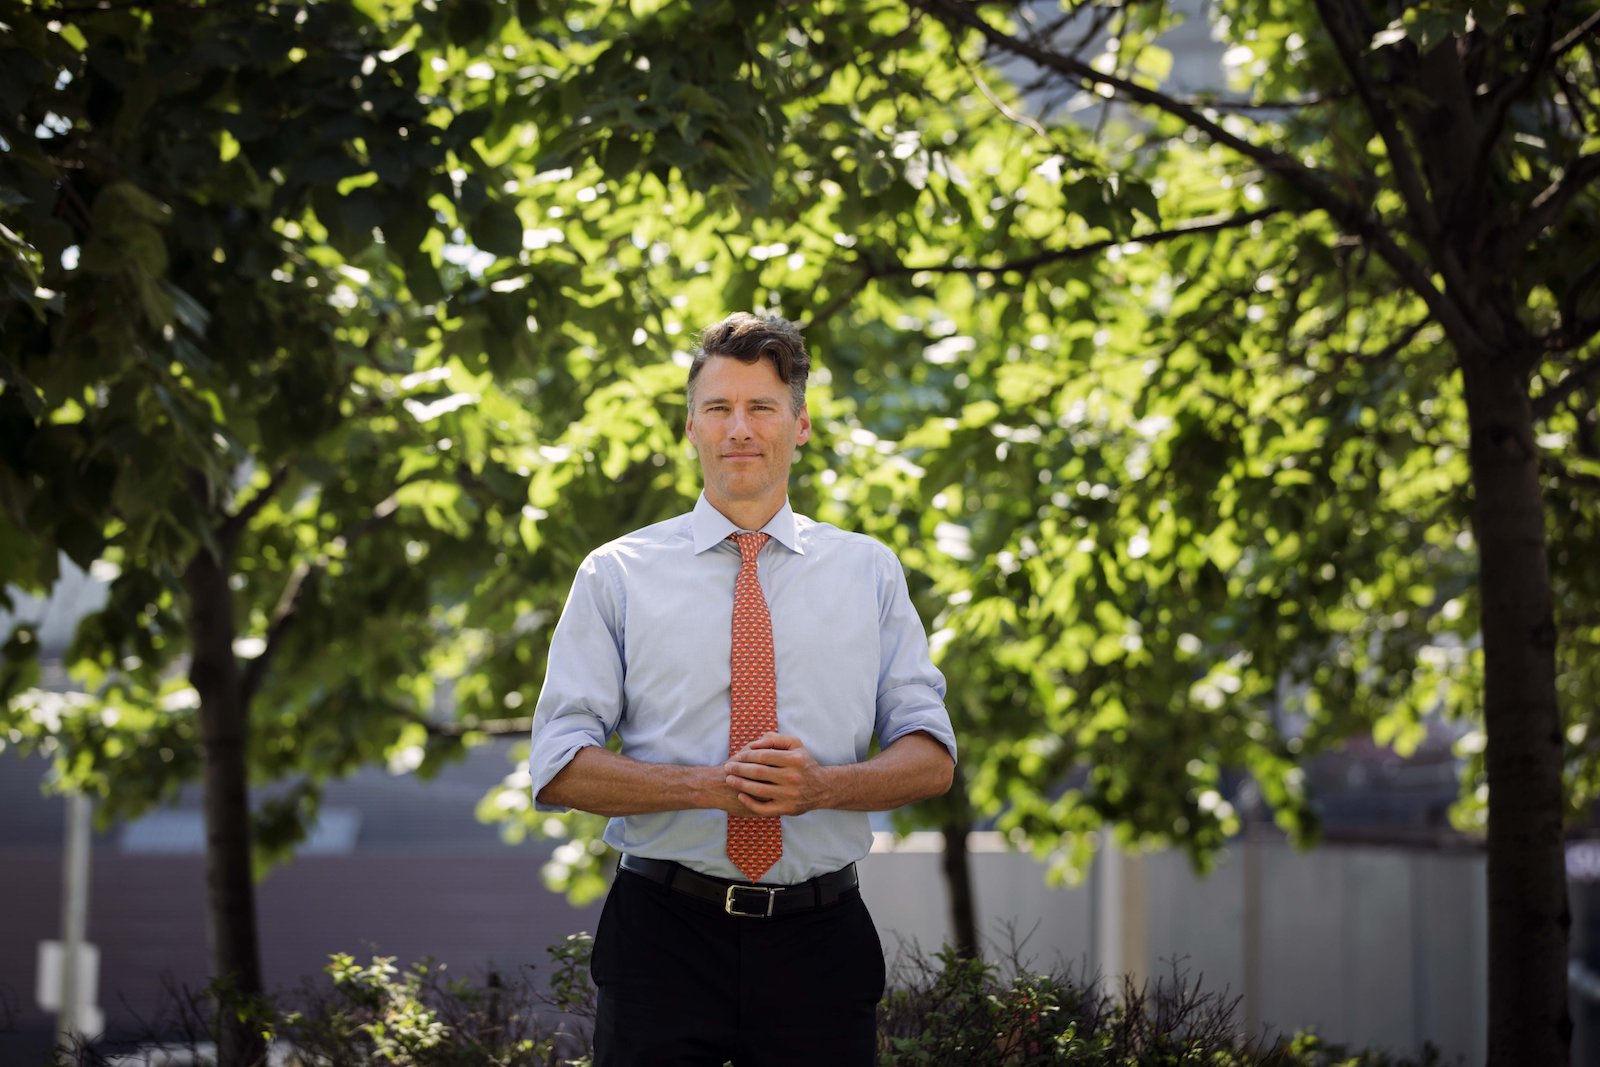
{"x":941,"y":1011}
{"x":377,"y":1013}
{"x":951,"y":1011}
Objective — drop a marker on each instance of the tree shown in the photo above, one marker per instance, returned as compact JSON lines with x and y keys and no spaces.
{"x":1304,"y":372}
{"x":311,"y":341}
{"x":1409,"y":139}
{"x":224,"y":231}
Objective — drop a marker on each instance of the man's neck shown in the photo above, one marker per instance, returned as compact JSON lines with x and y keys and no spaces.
{"x":746,"y":514}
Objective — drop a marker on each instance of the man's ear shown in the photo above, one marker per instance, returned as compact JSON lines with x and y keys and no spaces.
{"x":804,"y":433}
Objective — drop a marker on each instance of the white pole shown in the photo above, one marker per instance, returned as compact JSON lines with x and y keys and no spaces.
{"x":1108,"y":936}
{"x":74,"y":919}
{"x":1122,"y":937}
{"x":1135,"y":917}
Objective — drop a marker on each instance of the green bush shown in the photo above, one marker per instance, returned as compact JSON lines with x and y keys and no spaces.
{"x":379,"y":1014}
{"x":941,"y":1011}
{"x":950,"y":1011}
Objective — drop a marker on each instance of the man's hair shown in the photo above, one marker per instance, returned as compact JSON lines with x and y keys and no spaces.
{"x":748,"y":338}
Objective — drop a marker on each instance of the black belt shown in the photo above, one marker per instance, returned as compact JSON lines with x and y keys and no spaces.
{"x":745,"y":898}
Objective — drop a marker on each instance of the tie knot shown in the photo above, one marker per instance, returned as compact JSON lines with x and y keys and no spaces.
{"x":749,"y":543}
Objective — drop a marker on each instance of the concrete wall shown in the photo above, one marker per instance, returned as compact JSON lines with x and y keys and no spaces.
{"x":1374,"y":947}
{"x":471,"y":911}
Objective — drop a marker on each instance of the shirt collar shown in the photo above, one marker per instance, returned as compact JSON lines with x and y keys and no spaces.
{"x":712,"y":527}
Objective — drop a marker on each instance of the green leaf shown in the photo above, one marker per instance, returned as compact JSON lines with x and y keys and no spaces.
{"x":468,"y":22}
{"x":497,"y":229}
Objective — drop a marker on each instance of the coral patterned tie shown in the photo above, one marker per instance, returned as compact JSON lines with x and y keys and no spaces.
{"x":754,"y":843}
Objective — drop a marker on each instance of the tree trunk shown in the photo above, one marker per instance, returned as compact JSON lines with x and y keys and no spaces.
{"x":957,"y":864}
{"x":230,"y":885}
{"x":1529,"y":1021}
{"x":958,"y":880}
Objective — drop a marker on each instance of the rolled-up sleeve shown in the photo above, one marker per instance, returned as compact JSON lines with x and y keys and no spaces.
{"x":582,"y":698}
{"x":910,"y":688}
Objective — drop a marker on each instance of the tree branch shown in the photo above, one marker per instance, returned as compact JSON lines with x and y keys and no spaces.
{"x":1576,"y":37}
{"x":1582,"y":118}
{"x":841,"y":300}
{"x":959,"y":13}
{"x":235,"y":524}
{"x":100,"y":7}
{"x":1016,"y":117}
{"x":1585,"y":373}
{"x":1506,"y":93}
{"x":1351,"y":216}
{"x":1510,"y":91}
{"x":1057,"y":255}
{"x":1551,"y":464}
{"x":1406,"y":174}
{"x":492,"y":727}
{"x":1395,"y":346}
{"x":1203,"y":103}
{"x":1575,"y":332}
{"x":1549,"y":204}
{"x":1342,"y":358}
{"x":302,"y":582}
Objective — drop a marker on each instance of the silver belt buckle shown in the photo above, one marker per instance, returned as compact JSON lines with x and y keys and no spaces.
{"x":728,"y":904}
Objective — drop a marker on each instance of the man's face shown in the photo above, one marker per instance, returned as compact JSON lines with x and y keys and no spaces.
{"x":742,"y":425}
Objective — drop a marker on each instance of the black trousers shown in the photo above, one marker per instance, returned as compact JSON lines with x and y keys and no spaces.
{"x":682,"y":984}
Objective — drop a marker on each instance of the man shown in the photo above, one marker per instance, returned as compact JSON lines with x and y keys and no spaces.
{"x":745,"y":656}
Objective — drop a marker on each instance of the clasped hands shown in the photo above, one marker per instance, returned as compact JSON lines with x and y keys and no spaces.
{"x":776,"y":775}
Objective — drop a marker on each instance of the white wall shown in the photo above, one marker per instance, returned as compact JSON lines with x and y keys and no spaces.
{"x":1372,"y":947}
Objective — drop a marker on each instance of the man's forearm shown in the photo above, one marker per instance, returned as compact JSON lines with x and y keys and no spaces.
{"x":914,"y":768}
{"x":601,"y":781}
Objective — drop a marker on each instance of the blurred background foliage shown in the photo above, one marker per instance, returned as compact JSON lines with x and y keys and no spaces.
{"x":386,"y":306}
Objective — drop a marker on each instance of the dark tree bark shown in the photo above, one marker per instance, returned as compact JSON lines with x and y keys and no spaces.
{"x":230,"y":885}
{"x":1473,"y":243}
{"x":1529,"y":1020}
{"x":957,"y":864}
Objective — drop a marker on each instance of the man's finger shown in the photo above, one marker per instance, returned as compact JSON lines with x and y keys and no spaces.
{"x":775,"y":740}
{"x":751,"y":770}
{"x":753,"y":787}
{"x":767,"y":757}
{"x":775,"y":806}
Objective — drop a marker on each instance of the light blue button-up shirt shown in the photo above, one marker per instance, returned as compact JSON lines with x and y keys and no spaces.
{"x":643,"y":650}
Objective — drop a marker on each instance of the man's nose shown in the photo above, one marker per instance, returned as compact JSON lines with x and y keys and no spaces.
{"x":739,"y":425}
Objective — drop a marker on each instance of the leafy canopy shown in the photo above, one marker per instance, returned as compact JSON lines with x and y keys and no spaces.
{"x":397,"y":298}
